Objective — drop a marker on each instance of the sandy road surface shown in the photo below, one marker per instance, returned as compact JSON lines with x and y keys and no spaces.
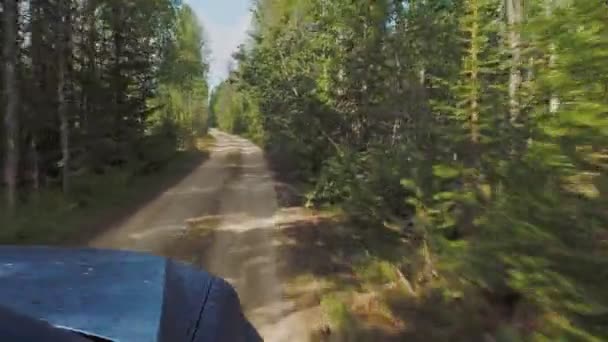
{"x":222,"y":216}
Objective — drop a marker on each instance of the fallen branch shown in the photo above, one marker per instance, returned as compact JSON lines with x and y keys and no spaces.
{"x":403,"y":280}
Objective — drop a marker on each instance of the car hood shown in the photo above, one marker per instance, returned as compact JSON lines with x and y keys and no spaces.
{"x":118,"y":295}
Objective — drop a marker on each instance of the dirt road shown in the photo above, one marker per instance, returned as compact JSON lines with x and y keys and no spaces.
{"x":223,"y":217}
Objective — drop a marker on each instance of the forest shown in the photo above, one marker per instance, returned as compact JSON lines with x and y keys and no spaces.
{"x":477,"y":129}
{"x":95,"y":94}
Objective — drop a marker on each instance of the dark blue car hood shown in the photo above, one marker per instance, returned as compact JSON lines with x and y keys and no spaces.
{"x":120,"y":296}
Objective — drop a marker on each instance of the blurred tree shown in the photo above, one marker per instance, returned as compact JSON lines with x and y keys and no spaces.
{"x":98,"y":74}
{"x":11,"y":107}
{"x":482,"y":121}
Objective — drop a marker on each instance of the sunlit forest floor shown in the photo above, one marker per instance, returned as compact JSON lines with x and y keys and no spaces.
{"x":349,"y":273}
{"x":373,"y":283}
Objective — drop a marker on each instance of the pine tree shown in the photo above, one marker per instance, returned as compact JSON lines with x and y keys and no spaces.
{"x":11,"y":98}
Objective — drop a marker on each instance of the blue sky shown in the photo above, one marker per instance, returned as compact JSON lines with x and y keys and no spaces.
{"x":225,"y":23}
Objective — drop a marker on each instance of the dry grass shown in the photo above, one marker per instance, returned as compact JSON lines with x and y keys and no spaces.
{"x":205,"y":143}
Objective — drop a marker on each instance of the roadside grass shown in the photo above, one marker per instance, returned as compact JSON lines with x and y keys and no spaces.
{"x":380,"y":282}
{"x":96,"y":201}
{"x":370,"y":286}
{"x":374,"y":283}
{"x":373,"y":271}
{"x":367,"y":284}
{"x":327,"y":266}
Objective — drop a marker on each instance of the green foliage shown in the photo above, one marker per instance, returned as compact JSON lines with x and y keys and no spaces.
{"x":51,"y":218}
{"x":182,"y":93}
{"x":377,"y":272}
{"x":410,"y":115}
{"x":133,"y":69}
{"x":128,"y":79}
{"x":337,"y":311}
{"x":235,"y":112}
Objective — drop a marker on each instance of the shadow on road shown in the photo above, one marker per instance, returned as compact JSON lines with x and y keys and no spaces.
{"x":185,"y":163}
{"x":318,"y":258}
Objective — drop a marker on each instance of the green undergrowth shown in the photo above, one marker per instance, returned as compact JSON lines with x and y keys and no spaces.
{"x":381,"y":285}
{"x":390,"y":294}
{"x":96,"y":200}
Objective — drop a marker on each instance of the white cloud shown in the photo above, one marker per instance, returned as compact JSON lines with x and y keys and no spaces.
{"x":223,"y":39}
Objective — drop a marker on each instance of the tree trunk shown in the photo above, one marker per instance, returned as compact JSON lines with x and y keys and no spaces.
{"x":554,"y":102}
{"x":61,"y":98}
{"x":35,"y":160}
{"x":474,"y":73}
{"x":38,"y":59}
{"x":118,"y":83}
{"x":514,"y":18}
{"x":86,"y":102}
{"x":11,"y":101}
